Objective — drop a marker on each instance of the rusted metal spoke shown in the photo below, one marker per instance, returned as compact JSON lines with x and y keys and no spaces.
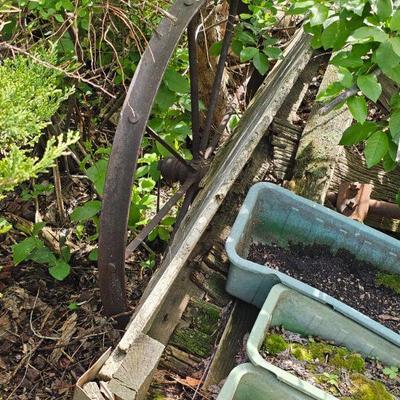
{"x":185,"y":206}
{"x":194,"y":87}
{"x":158,"y":217}
{"x":218,"y":75}
{"x":159,"y":139}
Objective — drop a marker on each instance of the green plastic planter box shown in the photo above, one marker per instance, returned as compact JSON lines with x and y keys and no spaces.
{"x":247,"y":382}
{"x":273,"y":214}
{"x":299,"y":313}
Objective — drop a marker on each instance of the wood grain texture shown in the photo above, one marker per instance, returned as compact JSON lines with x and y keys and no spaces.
{"x":319,"y":147}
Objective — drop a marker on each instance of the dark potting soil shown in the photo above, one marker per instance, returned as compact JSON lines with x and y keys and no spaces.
{"x":340,"y":275}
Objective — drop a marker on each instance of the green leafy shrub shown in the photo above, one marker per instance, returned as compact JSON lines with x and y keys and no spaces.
{"x":29,"y":97}
{"x":364,"y":38}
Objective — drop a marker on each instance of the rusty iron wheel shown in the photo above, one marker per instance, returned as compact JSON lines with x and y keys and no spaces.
{"x":128,"y":137}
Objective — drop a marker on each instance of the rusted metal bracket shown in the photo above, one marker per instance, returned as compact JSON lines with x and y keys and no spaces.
{"x":354,"y":200}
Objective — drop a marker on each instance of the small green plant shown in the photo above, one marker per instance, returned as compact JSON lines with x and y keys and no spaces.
{"x":149,"y":263}
{"x":34,"y":249}
{"x":331,"y":379}
{"x":5,"y":226}
{"x":39,"y":189}
{"x":391,"y":372}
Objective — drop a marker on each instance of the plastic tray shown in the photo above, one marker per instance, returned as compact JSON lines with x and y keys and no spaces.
{"x":247,"y":382}
{"x":302,"y":314}
{"x":271,"y":213}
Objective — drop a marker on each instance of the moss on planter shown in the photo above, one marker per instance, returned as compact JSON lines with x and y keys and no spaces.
{"x":351,"y":361}
{"x":391,"y":281}
{"x":366,"y":389}
{"x":335,"y":369}
{"x":275,"y":344}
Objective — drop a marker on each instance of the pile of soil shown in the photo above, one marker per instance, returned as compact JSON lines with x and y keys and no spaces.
{"x":340,"y":275}
{"x":334,"y":369}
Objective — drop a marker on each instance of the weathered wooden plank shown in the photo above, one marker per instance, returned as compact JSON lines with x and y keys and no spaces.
{"x":319,"y":147}
{"x":240,"y":322}
{"x":179,"y":361}
{"x":223,"y":172}
{"x":175,"y":304}
{"x":133,"y":378}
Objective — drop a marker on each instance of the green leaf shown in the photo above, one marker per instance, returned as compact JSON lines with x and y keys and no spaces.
{"x":248,"y":53}
{"x":385,"y":57}
{"x":147,"y":184}
{"x":37,"y":228}
{"x":358,"y":107}
{"x":43,"y":255}
{"x":260,"y":62}
{"x":246,"y":38}
{"x":300,"y":7}
{"x":73,"y":306}
{"x":368,"y":33}
{"x":215,"y":49}
{"x":376,"y":147}
{"x":65,"y":253}
{"x":370,"y":86}
{"x":60,"y":270}
{"x":345,"y":77}
{"x":392,"y":149}
{"x":176,"y":82}
{"x":273,"y":52}
{"x":334,"y":35}
{"x":165,"y":98}
{"x":356,"y":6}
{"x":87,"y":211}
{"x":395,"y":43}
{"x":356,"y":133}
{"x":237,"y":47}
{"x":394,"y":125}
{"x":97,"y":174}
{"x":22,"y":251}
{"x":319,"y":13}
{"x":388,"y":163}
{"x":163,"y":233}
{"x":93,"y":255}
{"x":395,"y":101}
{"x":395,"y":21}
{"x":384,"y":9}
{"x":347,"y":59}
{"x":5,"y":226}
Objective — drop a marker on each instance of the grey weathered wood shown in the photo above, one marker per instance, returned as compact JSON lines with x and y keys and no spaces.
{"x":175,"y":304}
{"x":133,"y":378}
{"x":179,"y":361}
{"x":92,"y":390}
{"x":240,"y":322}
{"x":389,"y":88}
{"x":224,"y":170}
{"x":319,"y":147}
